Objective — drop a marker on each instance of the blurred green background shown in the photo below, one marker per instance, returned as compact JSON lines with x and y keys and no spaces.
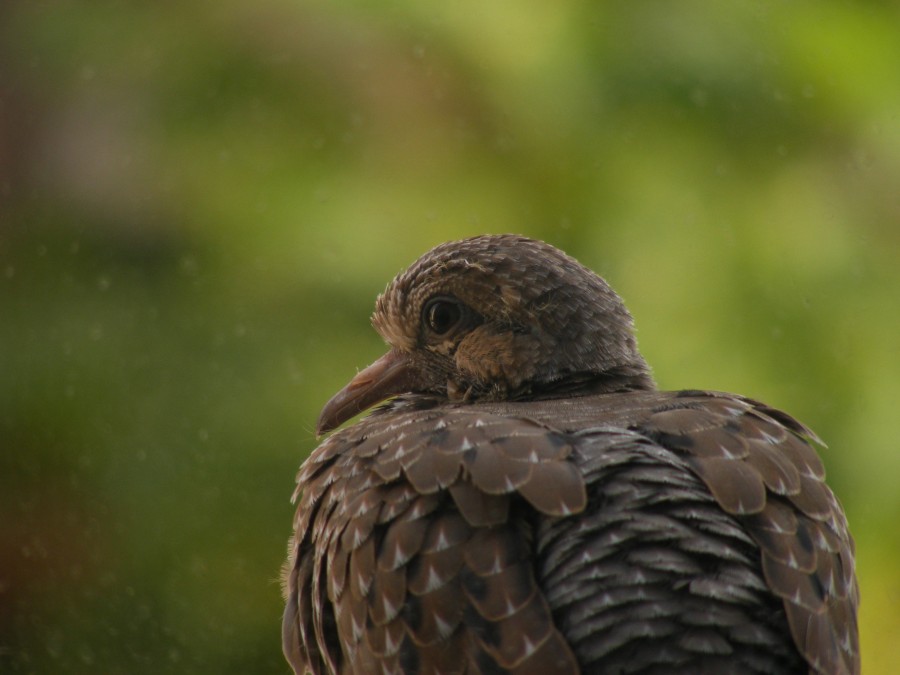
{"x":199,"y":202}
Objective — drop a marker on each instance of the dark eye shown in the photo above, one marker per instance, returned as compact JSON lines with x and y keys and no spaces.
{"x":441,"y":315}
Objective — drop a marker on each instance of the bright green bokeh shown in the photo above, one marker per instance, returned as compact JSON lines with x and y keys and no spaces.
{"x":199,"y":202}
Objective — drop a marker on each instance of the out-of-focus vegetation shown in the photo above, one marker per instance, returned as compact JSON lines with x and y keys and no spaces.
{"x":199,"y":202}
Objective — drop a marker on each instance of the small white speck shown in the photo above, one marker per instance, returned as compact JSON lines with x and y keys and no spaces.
{"x":357,"y":629}
{"x":434,"y":580}
{"x":726,"y":453}
{"x":390,"y":610}
{"x":529,"y":646}
{"x":770,"y":438}
{"x":445,"y":628}
{"x":390,"y":645}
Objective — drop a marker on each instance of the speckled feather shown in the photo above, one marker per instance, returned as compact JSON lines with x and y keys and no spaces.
{"x":601,"y":527}
{"x":407,"y":523}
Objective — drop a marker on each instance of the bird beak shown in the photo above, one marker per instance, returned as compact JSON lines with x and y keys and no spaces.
{"x":390,"y":375}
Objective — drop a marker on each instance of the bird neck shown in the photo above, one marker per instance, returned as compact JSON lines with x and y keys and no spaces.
{"x":616,"y":379}
{"x":624,"y":378}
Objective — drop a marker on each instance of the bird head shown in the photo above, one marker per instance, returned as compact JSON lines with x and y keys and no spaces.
{"x":495,"y":317}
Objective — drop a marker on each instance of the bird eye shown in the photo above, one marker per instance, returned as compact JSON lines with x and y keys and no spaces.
{"x":441,"y":315}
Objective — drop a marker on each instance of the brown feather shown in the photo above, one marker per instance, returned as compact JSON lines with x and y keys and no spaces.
{"x":518,"y":638}
{"x":434,"y":616}
{"x":736,"y":485}
{"x":493,"y":549}
{"x":387,"y":596}
{"x":478,"y":508}
{"x":778,"y":473}
{"x":401,"y":542}
{"x":434,"y":569}
{"x":501,"y":594}
{"x":559,"y":514}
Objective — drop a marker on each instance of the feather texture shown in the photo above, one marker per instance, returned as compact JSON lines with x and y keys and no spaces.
{"x":529,"y":503}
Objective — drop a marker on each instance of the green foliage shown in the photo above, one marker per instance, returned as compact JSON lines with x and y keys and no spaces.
{"x":200,"y":201}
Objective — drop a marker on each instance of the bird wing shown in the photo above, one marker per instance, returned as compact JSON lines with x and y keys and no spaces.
{"x":758,"y":465}
{"x":412,"y":555}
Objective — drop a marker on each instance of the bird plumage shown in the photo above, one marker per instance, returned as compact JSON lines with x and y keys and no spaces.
{"x":528,"y":502}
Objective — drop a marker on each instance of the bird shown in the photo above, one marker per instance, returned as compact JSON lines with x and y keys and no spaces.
{"x":522,"y":498}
